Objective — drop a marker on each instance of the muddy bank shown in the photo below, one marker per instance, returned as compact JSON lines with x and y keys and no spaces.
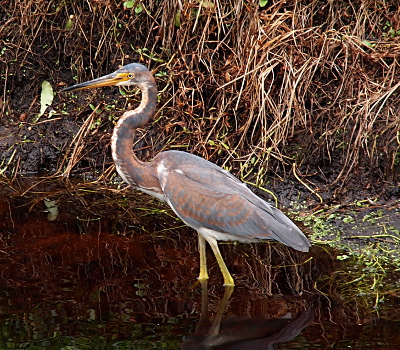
{"x":308,"y":97}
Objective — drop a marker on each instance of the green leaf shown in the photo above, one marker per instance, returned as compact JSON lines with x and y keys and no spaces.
{"x":52,"y":209}
{"x":342,"y":257}
{"x":207,"y":4}
{"x":46,"y":97}
{"x":177,"y":19}
{"x":138,"y":9}
{"x":263,"y":3}
{"x":68,"y":25}
{"x":225,"y":145}
{"x":368,"y":43}
{"x":129,"y":4}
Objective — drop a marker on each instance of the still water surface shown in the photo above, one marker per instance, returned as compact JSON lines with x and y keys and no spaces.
{"x":96,"y":273}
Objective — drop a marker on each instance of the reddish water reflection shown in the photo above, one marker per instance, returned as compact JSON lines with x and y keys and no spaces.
{"x":118,"y":272}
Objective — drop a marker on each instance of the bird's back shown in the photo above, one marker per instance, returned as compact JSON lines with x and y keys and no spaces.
{"x":214,"y":202}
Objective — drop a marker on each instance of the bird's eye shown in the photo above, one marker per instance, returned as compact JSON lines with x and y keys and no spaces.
{"x":131,"y":75}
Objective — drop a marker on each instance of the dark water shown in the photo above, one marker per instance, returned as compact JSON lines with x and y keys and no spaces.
{"x":107,"y":272}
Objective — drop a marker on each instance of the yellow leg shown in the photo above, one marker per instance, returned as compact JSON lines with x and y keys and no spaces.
{"x":227,"y":276}
{"x":203,"y":263}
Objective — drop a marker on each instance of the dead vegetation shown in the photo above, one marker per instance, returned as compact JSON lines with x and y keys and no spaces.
{"x":307,"y":90}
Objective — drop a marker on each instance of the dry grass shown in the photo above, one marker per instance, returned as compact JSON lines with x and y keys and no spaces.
{"x":304,"y":85}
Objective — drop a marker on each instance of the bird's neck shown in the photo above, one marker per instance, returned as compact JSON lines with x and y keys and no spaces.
{"x":131,"y":169}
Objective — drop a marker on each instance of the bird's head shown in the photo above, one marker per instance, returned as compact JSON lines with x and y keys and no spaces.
{"x":133,"y":74}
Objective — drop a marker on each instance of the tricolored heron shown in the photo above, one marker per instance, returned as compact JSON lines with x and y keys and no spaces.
{"x":204,"y":196}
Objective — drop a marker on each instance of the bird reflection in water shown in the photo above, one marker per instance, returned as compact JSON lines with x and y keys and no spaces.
{"x":242,"y":332}
{"x":203,"y":195}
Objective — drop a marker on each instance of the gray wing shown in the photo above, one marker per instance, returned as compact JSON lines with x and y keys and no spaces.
{"x":204,"y":195}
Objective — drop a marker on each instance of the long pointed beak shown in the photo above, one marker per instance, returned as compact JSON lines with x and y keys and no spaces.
{"x":106,"y":80}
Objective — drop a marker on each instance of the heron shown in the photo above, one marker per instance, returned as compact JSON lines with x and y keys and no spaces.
{"x":203,"y":195}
